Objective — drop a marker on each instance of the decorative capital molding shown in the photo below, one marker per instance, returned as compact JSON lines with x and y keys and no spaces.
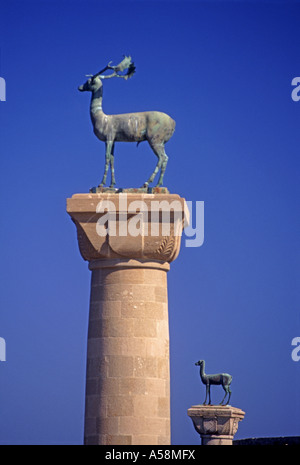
{"x":135,"y":226}
{"x":212,"y":421}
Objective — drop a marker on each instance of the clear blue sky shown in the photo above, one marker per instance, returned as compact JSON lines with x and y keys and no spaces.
{"x":223,"y":71}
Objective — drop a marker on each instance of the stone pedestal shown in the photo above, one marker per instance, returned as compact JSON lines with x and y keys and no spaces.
{"x":129,"y":241}
{"x":216,"y":425}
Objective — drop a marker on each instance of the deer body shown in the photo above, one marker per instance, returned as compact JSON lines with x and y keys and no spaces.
{"x":154,"y":126}
{"x":223,"y":379}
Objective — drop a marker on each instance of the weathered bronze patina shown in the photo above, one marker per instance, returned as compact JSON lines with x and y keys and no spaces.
{"x":154,"y":126}
{"x":221,"y":378}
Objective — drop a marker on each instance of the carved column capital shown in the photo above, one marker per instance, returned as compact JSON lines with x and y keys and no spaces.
{"x":216,"y":425}
{"x":136,"y":226}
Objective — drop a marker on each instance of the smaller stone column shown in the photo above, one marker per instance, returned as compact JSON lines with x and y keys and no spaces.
{"x":216,"y":424}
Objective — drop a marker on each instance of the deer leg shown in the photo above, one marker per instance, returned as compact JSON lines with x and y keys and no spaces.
{"x":209,"y":399}
{"x":157,"y":168}
{"x":112,"y":168}
{"x":163,"y":169}
{"x":158,"y":152}
{"x":229,"y":395}
{"x":207,"y":391}
{"x":226,"y":392}
{"x":108,"y":147}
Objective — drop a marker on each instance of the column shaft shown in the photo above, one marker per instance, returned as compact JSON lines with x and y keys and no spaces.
{"x":128,"y":385}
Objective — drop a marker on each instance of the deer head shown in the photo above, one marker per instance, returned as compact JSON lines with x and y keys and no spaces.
{"x":199,"y":363}
{"x":92,"y":84}
{"x":95,"y":81}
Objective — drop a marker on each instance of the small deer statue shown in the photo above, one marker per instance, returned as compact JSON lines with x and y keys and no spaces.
{"x":154,"y":126}
{"x":221,"y":378}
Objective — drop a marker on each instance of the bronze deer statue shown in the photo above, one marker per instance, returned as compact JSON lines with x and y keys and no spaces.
{"x":221,"y":378}
{"x":154,"y":126}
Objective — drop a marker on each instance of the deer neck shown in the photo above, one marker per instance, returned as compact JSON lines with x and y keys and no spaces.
{"x":96,"y":102}
{"x":202,"y":373}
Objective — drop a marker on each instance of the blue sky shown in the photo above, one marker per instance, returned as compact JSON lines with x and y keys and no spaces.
{"x":223,"y":71}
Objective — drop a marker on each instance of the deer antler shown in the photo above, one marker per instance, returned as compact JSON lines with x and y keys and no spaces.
{"x":126,"y":63}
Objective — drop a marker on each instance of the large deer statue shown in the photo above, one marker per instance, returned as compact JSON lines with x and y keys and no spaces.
{"x":154,"y":126}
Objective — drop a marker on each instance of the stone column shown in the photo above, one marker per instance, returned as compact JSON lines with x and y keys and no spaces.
{"x":216,"y":424}
{"x":128,"y":379}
